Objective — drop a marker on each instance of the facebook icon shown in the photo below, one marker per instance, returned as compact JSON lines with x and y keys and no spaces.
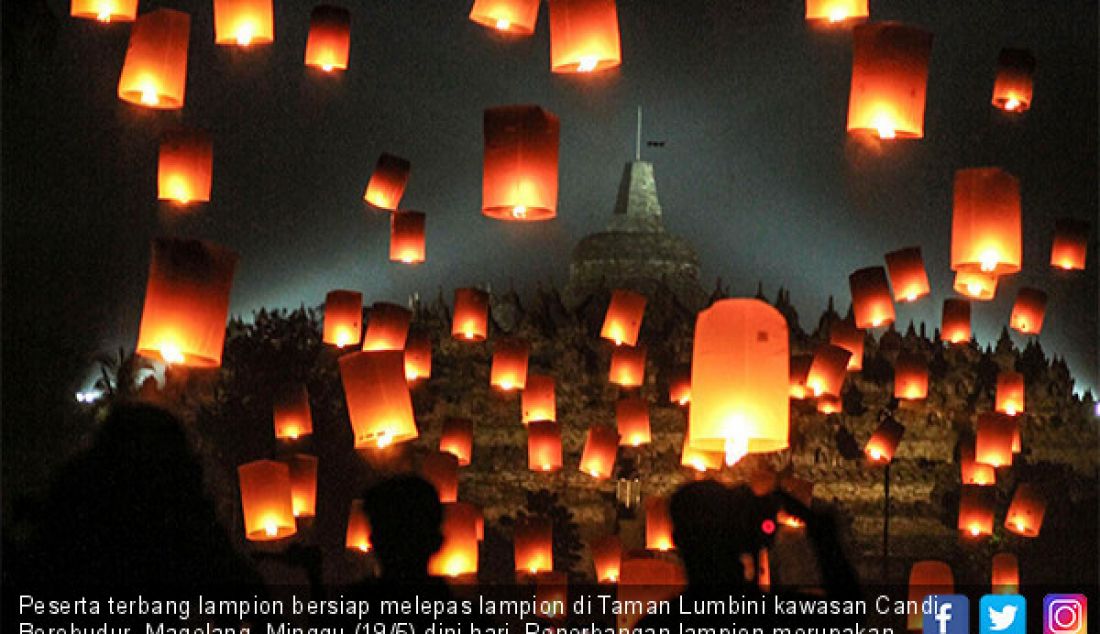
{"x":946,"y":614}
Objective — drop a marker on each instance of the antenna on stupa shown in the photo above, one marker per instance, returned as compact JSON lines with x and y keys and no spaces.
{"x":638,"y":137}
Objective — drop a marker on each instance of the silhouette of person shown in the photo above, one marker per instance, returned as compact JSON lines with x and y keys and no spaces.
{"x":405,"y":517}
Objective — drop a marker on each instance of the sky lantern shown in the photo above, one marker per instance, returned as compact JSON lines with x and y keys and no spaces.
{"x":740,"y":393}
{"x":243,"y":22}
{"x":543,"y":446}
{"x":471,"y":317}
{"x":584,"y":36}
{"x":185,"y":166}
{"x":537,"y":401}
{"x":292,"y":415}
{"x":889,"y":80}
{"x":387,"y":327}
{"x":303,"y":484}
{"x":835,"y":12}
{"x":357,"y":536}
{"x":829,"y":404}
{"x":407,"y":237}
{"x":533,"y":539}
{"x":1006,"y":574}
{"x":844,"y":334}
{"x":624,"y":317}
{"x":520,"y":169}
{"x":993,"y":439}
{"x":871,"y":301}
{"x":679,"y":387}
{"x":1025,"y":512}
{"x":607,"y":557}
{"x":955,"y":323}
{"x":799,"y":373}
{"x":387,"y":183}
{"x":658,"y":524}
{"x":975,"y":512}
{"x":1070,"y":246}
{"x":343,"y":318}
{"x":801,"y":490}
{"x":883,"y":443}
{"x":985,"y":222}
{"x":104,"y":10}
{"x":1013,"y":87}
{"x":646,"y":579}
{"x":976,"y":285}
{"x":186,"y":302}
{"x":600,"y":449}
{"x":265,"y":500}
{"x":457,"y":557}
{"x":910,"y":376}
{"x":509,"y":369}
{"x":378,"y":398}
{"x":1028,"y":311}
{"x":154,"y":73}
{"x":457,"y":438}
{"x":973,"y":472}
{"x":513,"y":17}
{"x":827,"y":370}
{"x":927,"y":577}
{"x":907,"y":275}
{"x":441,"y":470}
{"x":468,"y":512}
{"x":632,"y":420}
{"x":628,"y":366}
{"x":418,"y":356}
{"x":329,"y":39}
{"x":1010,"y":392}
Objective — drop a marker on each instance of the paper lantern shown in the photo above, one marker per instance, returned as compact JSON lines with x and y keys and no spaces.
{"x":520,"y":170}
{"x":186,"y":302}
{"x":600,"y":449}
{"x":343,"y":318}
{"x":329,"y":39}
{"x":632,"y":420}
{"x":972,"y":472}
{"x":1028,"y":311}
{"x":457,"y":557}
{"x":658,"y":524}
{"x":699,"y":460}
{"x":739,"y":379}
{"x":292,"y":415}
{"x":584,"y":36}
{"x":514,"y":17}
{"x":827,"y":371}
{"x":378,"y":398}
{"x":907,"y":274}
{"x":799,"y":373}
{"x":387,"y":183}
{"x":387,"y":327}
{"x":1006,"y":574}
{"x":303,"y":484}
{"x":628,"y":366}
{"x":993,"y":440}
{"x":831,"y":12}
{"x":955,"y":324}
{"x":243,"y":22}
{"x":844,"y":334}
{"x":357,"y":536}
{"x":927,"y":577}
{"x":910,"y":376}
{"x":1010,"y":393}
{"x":466,"y":512}
{"x":533,"y":539}
{"x":457,"y":438}
{"x":679,"y":387}
{"x":185,"y":166}
{"x":1071,"y":244}
{"x":985,"y":222}
{"x":624,"y":317}
{"x":104,"y":10}
{"x":154,"y":73}
{"x":828,"y":404}
{"x":537,"y":401}
{"x":407,"y":237}
{"x":646,"y":579}
{"x":871,"y":301}
{"x":1025,"y":512}
{"x":418,"y":356}
{"x":471,"y":316}
{"x":801,"y":490}
{"x":265,"y":500}
{"x":883,"y":443}
{"x":543,"y":446}
{"x":441,"y":470}
{"x":975,"y":512}
{"x":509,"y":369}
{"x":889,"y":80}
{"x":977,"y":286}
{"x":1012,"y":89}
{"x":607,"y":558}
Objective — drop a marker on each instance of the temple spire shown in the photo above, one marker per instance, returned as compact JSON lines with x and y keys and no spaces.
{"x":638,"y":137}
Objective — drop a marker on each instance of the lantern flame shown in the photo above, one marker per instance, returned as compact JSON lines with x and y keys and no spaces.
{"x":1010,"y":409}
{"x":506,"y":384}
{"x":974,"y":530}
{"x":149,"y":95}
{"x":245,"y":33}
{"x":271,"y":527}
{"x":342,"y":339}
{"x":988,"y":261}
{"x":364,"y":547}
{"x":326,"y":67}
{"x":519,"y":211}
{"x":503,"y":24}
{"x":884,"y":124}
{"x":171,"y":353}
{"x":911,"y":296}
{"x":736,"y":448}
{"x":384,"y":439}
{"x":838,"y":14}
{"x":875,"y":454}
{"x":104,"y":14}
{"x":974,"y":288}
{"x":587,"y":64}
{"x":1012,"y":104}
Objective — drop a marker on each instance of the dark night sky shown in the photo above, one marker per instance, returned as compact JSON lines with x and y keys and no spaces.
{"x":757,"y":172}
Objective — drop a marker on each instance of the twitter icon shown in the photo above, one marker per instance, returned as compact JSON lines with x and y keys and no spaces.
{"x":1002,"y":614}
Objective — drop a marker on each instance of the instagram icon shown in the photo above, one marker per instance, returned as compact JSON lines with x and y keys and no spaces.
{"x":1065,"y":614}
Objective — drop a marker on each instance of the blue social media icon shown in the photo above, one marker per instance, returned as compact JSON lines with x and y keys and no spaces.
{"x":946,"y":614}
{"x":1003,"y":614}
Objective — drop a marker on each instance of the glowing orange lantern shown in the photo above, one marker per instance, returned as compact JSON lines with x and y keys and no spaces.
{"x":1012,"y":89}
{"x":407,"y":237}
{"x":1071,"y":244}
{"x":471,"y":317}
{"x":584,"y":36}
{"x":799,"y":373}
{"x":624,"y":317}
{"x":658,"y":524}
{"x":104,"y":10}
{"x":628,"y":366}
{"x":329,"y":40}
{"x":457,"y":438}
{"x":993,"y":440}
{"x":740,"y":399}
{"x":387,"y":327}
{"x":303,"y":484}
{"x":827,"y":371}
{"x":533,"y":540}
{"x":1028,"y":311}
{"x":185,"y":166}
{"x":646,"y":579}
{"x":418,"y":356}
{"x":265,"y":500}
{"x":520,"y":172}
{"x":357,"y":536}
{"x":387,"y":183}
{"x":700,"y":461}
{"x":907,"y":274}
{"x":925,"y":578}
{"x":607,"y":558}
{"x":514,"y":17}
{"x":801,"y":490}
{"x":844,"y":334}
{"x":600,"y":449}
{"x":509,"y":369}
{"x":1010,"y":393}
{"x":537,"y":401}
{"x":910,"y":376}
{"x":543,"y":446}
{"x":955,"y":324}
{"x":378,"y":398}
{"x":832,"y":12}
{"x":441,"y":470}
{"x":458,"y":555}
{"x":154,"y":73}
{"x":1025,"y":512}
{"x":883,"y":443}
{"x":979,"y":286}
{"x":679,"y":387}
{"x":889,"y":80}
{"x":632,"y":419}
{"x":1006,"y":574}
{"x":973,"y":472}
{"x":243,"y":22}
{"x":985,"y":222}
{"x":871,"y":301}
{"x":186,"y":302}
{"x":292,"y":415}
{"x":828,"y":404}
{"x":343,"y":318}
{"x":975,"y":512}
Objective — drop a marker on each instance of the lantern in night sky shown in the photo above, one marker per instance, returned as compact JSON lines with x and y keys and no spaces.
{"x":829,"y":404}
{"x":624,"y":317}
{"x":520,"y":170}
{"x":907,"y":274}
{"x":955,"y":323}
{"x":827,"y":371}
{"x":883,"y":443}
{"x":975,"y":512}
{"x":889,"y":80}
{"x":1010,"y":392}
{"x":514,"y":17}
{"x":679,"y":387}
{"x":658,"y":524}
{"x":607,"y":557}
{"x":799,"y":373}
{"x":104,"y":10}
{"x":830,"y":12}
{"x":537,"y":401}
{"x":418,"y":356}
{"x":871,"y":301}
{"x":265,"y":500}
{"x":185,"y":167}
{"x":407,"y":237}
{"x":628,"y":366}
{"x":186,"y":302}
{"x":292,"y":415}
{"x":910,"y":376}
{"x":343,"y":318}
{"x":632,"y":419}
{"x":387,"y":182}
{"x":971,"y":471}
{"x":1012,"y":89}
{"x":458,"y":555}
{"x":534,"y":545}
{"x":844,"y":334}
{"x":457,"y":438}
{"x":600,"y":449}
{"x":985,"y":222}
{"x":357,"y":536}
{"x":1025,"y":512}
{"x":509,"y":369}
{"x":154,"y":73}
{"x":329,"y":39}
{"x":471,"y":317}
{"x":543,"y":446}
{"x":1070,"y":246}
{"x":378,"y":398}
{"x":441,"y":470}
{"x":303,"y":484}
{"x":243,"y":22}
{"x":1028,"y":311}
{"x":584,"y":36}
{"x":387,"y":327}
{"x":977,"y":286}
{"x":740,"y":377}
{"x":1006,"y":574}
{"x":927,"y":577}
{"x":993,"y":440}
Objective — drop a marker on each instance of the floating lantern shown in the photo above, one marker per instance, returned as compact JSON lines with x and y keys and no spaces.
{"x":303,"y":484}
{"x":1010,"y":392}
{"x":628,"y":366}
{"x":1012,"y":89}
{"x":343,"y":318}
{"x":537,"y":401}
{"x":457,"y":438}
{"x":799,"y":373}
{"x":543,"y":446}
{"x":466,"y":512}
{"x":658,"y":524}
{"x":889,"y":80}
{"x":1070,"y":246}
{"x":907,"y":274}
{"x":679,"y":387}
{"x":624,"y":317}
{"x":514,"y":17}
{"x":520,"y":172}
{"x":186,"y":302}
{"x":329,"y":39}
{"x":607,"y":558}
{"x":1006,"y":574}
{"x":154,"y":73}
{"x":844,"y":334}
{"x":458,"y":555}
{"x":955,"y":324}
{"x":740,"y":399}
{"x":985,"y":222}
{"x":584,"y":36}
{"x":699,"y":460}
{"x":646,"y":579}
{"x":292,"y":415}
{"x":407,"y":237}
{"x":509,"y":369}
{"x":632,"y":419}
{"x":387,"y":183}
{"x":1028,"y":311}
{"x":827,"y":371}
{"x":871,"y":300}
{"x":1025,"y":512}
{"x":357,"y":536}
{"x":533,"y":539}
{"x":471,"y":317}
{"x":801,"y":490}
{"x":993,"y":440}
{"x":265,"y":500}
{"x":104,"y":10}
{"x":600,"y":449}
{"x":975,"y":512}
{"x":387,"y":327}
{"x":925,"y":578}
{"x":833,"y":12}
{"x":243,"y":22}
{"x":979,"y":286}
{"x":418,"y":356}
{"x":185,"y":166}
{"x":883,"y":443}
{"x":910,"y":376}
{"x":441,"y":470}
{"x":378,"y":398}
{"x":828,"y":404}
{"x":972,"y":472}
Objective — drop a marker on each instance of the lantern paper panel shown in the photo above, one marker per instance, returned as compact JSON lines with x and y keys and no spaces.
{"x":658,"y":524}
{"x":418,"y":356}
{"x":292,"y":415}
{"x":1028,"y":311}
{"x":827,"y":370}
{"x":883,"y":443}
{"x":1005,"y":574}
{"x":387,"y":327}
{"x":457,"y":439}
{"x":975,"y":512}
{"x":679,"y":387}
{"x":441,"y":470}
{"x":104,"y":10}
{"x":543,"y":446}
{"x":266,"y":500}
{"x":378,"y":400}
{"x":607,"y":558}
{"x":871,"y":300}
{"x":584,"y":36}
{"x":303,"y":484}
{"x":520,"y":166}
{"x":624,"y":317}
{"x":646,"y":579}
{"x":985,"y":222}
{"x":357,"y":536}
{"x":1026,"y":511}
{"x":833,"y":12}
{"x":343,"y":318}
{"x":514,"y":17}
{"x":844,"y":334}
{"x":628,"y":366}
{"x":185,"y":166}
{"x":154,"y":72}
{"x":889,"y":80}
{"x":1010,"y":393}
{"x":993,"y":439}
{"x":632,"y":420}
{"x":799,"y":374}
{"x":927,"y":577}
{"x":972,"y":472}
{"x":1012,"y":89}
{"x":243,"y":22}
{"x":457,"y":557}
{"x":407,"y":239}
{"x":387,"y":183}
{"x":533,"y":540}
{"x":329,"y":41}
{"x":955,"y":323}
{"x":538,"y":401}
{"x":907,"y":274}
{"x":910,"y":376}
{"x":471,"y":316}
{"x":600,"y":450}
{"x":977,"y":286}
{"x":509,"y":368}
{"x":1070,"y":245}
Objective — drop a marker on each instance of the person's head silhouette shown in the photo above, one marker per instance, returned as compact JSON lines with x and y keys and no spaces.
{"x":713,"y":529}
{"x":405,"y":517}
